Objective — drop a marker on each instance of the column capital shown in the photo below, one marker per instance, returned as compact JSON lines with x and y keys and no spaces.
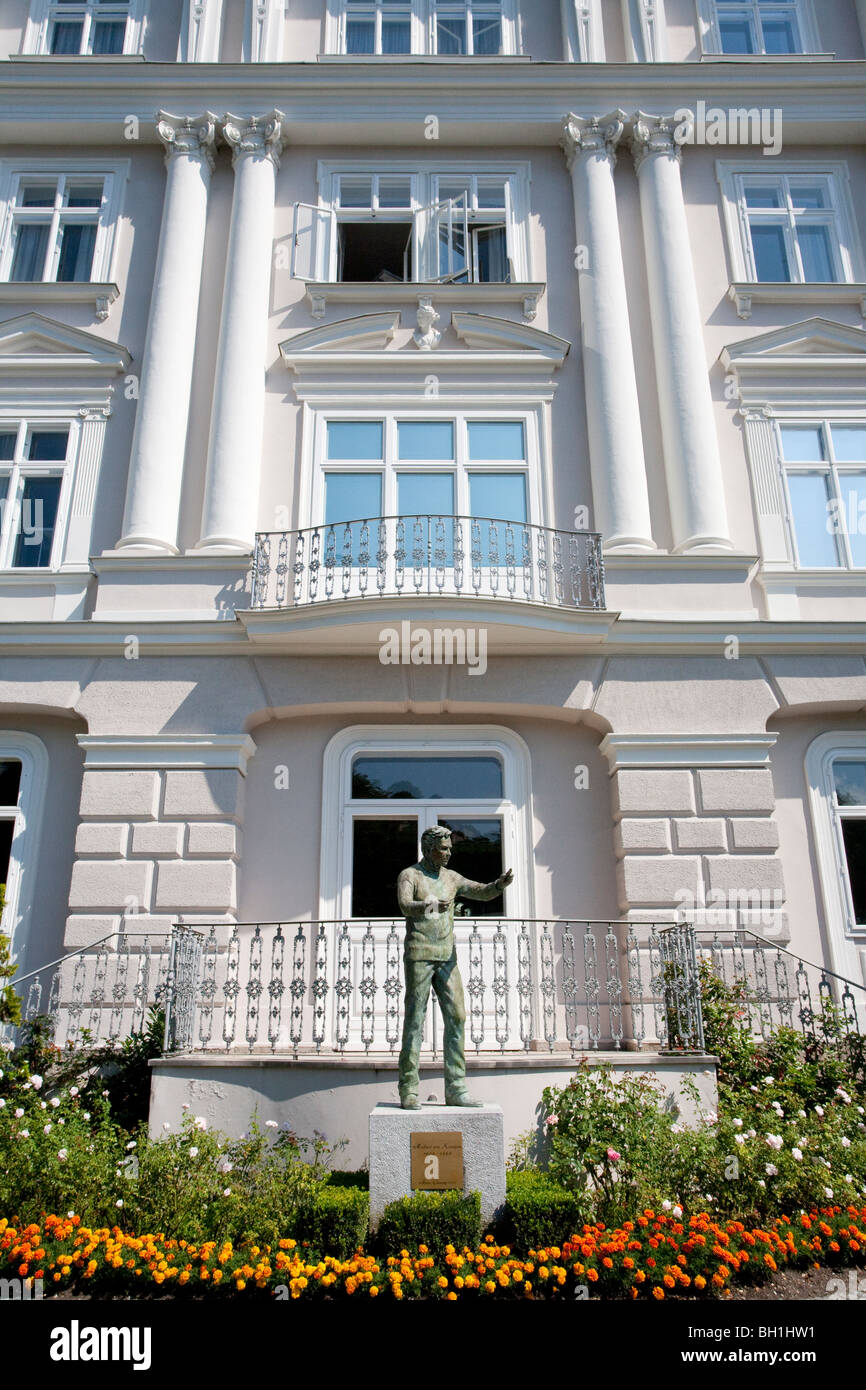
{"x":592,"y":135}
{"x":255,"y":135}
{"x":193,"y":136}
{"x":654,"y":135}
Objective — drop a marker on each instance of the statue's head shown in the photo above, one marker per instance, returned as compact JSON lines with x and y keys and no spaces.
{"x":436,"y":845}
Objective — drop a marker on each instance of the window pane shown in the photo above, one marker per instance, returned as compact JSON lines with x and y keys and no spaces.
{"x":36,"y":525}
{"x":76,"y":252}
{"x":7,"y":830}
{"x":381,"y":849}
{"x":451,"y":36}
{"x":28,"y":260}
{"x":477,"y":855}
{"x":47,"y":446}
{"x":780,"y":36}
{"x":491,"y":195}
{"x":812,"y":521}
{"x":396,"y":36}
{"x":854,"y":837}
{"x":501,"y":496}
{"x":84,"y":195}
{"x":493,"y":267}
{"x":762,"y":197}
{"x":360,"y":36}
{"x":427,"y":778}
{"x":108,"y":37}
{"x":7,"y":444}
{"x":426,"y":439}
{"x":771,"y":257}
{"x":36,"y":195}
{"x":486,"y":36}
{"x":496,"y":439}
{"x":816,"y":254}
{"x":395,"y":191}
{"x":802,"y":444}
{"x":808,"y":196}
{"x":736,"y":35}
{"x":426,"y":494}
{"x":355,"y":439}
{"x":66,"y":36}
{"x":352,"y":497}
{"x":356,"y":191}
{"x":10,"y":781}
{"x":852,"y":486}
{"x":850,"y":780}
{"x":849,"y":443}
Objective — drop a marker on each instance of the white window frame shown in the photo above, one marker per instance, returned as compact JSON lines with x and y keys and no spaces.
{"x":423,"y":30}
{"x":31,"y":752}
{"x":20,"y":468}
{"x":114,"y":173}
{"x":425,"y":181}
{"x":531,"y":470}
{"x":338,"y":807}
{"x":733,"y":177}
{"x":42,"y":13}
{"x":846,"y":941}
{"x":829,"y":466}
{"x":711,"y":39}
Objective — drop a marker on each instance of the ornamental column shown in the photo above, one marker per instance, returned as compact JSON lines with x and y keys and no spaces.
{"x":235,"y":449}
{"x":619,"y":481}
{"x":692,"y":463}
{"x":159,"y":439}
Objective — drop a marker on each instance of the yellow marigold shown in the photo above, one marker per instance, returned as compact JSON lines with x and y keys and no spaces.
{"x":658,"y":1293}
{"x":442,"y":1282}
{"x":490,"y":1286}
{"x":451,"y":1297}
{"x":700,"y":1281}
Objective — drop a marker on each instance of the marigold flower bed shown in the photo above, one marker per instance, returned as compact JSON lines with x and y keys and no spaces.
{"x":655,"y":1256}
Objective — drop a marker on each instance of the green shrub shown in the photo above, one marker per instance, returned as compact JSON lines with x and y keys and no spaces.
{"x":539,"y":1213}
{"x":10,"y":1004}
{"x":336,"y":1222}
{"x":434,"y":1219}
{"x":343,"y":1177}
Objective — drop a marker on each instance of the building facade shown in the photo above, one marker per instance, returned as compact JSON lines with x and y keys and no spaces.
{"x":418,"y":411}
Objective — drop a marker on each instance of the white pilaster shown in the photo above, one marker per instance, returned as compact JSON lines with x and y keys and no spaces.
{"x":264,"y":22}
{"x":692,"y":463}
{"x":234,"y":453}
{"x":767,"y":485}
{"x":619,"y":482}
{"x":645,"y":29}
{"x":91,"y":441}
{"x":582,"y":37}
{"x":201,"y":31}
{"x":159,"y":441}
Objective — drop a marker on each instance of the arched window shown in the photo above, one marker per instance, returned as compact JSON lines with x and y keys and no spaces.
{"x":836,"y":774}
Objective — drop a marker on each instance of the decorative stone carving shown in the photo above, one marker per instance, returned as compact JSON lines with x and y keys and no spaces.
{"x":427,"y":335}
{"x":654,"y":135}
{"x":592,"y":134}
{"x":192,"y":136}
{"x":260,"y":136}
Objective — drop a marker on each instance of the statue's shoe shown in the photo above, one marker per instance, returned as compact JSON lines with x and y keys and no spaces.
{"x":464,"y":1100}
{"x":410,"y":1103}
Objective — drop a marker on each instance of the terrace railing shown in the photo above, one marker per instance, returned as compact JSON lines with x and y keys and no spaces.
{"x":420,"y":556}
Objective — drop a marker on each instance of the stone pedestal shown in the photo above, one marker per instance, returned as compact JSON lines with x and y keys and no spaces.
{"x":483,"y":1132}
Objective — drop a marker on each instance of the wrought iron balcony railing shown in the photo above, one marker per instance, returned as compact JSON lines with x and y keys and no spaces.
{"x":424,"y":556}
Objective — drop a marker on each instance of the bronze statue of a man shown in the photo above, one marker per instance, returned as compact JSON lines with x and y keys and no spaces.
{"x":426,"y":894}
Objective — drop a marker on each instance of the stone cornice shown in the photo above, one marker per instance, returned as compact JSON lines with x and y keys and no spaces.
{"x":692,"y":750}
{"x":191,"y":136}
{"x":597,"y":135}
{"x":194,"y":751}
{"x":256,"y":136}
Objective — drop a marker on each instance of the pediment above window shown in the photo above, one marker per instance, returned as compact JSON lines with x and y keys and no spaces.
{"x":504,"y":335}
{"x":363,"y":333}
{"x":32,"y":343}
{"x":814,"y":363}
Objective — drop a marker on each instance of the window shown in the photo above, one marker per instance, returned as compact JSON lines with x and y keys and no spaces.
{"x":59,"y":224}
{"x":23,"y":778}
{"x":849,"y":788}
{"x":414,"y":226}
{"x":447,"y":28}
{"x":34,"y":479}
{"x":836,"y":778}
{"x":10,"y":782}
{"x":95,"y":28}
{"x":743,"y":28}
{"x":824,"y":466}
{"x":790,"y":226}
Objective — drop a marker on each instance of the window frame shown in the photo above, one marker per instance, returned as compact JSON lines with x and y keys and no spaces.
{"x":31,"y":752}
{"x":423,"y":32}
{"x":846,"y":940}
{"x":847,"y":250}
{"x":830,"y":467}
{"x":37,"y":34}
{"x":711,"y":39}
{"x":425,"y":181}
{"x":19,"y":468}
{"x":15,"y":172}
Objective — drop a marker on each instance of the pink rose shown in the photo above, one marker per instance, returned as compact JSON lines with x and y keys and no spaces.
{"x":613,"y":1155}
{"x":552,"y":1120}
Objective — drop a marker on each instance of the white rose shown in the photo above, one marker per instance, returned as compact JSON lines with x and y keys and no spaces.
{"x":62,"y":1155}
{"x":18,"y":1113}
{"x":738,"y":1124}
{"x":36,"y":1082}
{"x":54,"y":1102}
{"x":797,"y":1153}
{"x":193,"y":1153}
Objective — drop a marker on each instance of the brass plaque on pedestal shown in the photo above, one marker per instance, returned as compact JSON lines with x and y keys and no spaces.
{"x":437,"y":1161}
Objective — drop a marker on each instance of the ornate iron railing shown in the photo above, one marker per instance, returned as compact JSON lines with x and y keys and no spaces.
{"x":98,"y":995}
{"x":337,"y":987}
{"x":419,"y":556}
